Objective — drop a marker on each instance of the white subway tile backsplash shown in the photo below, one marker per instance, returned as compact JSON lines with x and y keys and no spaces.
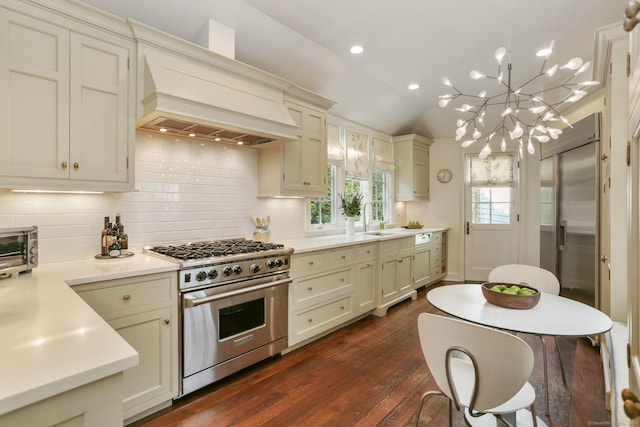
{"x":186,"y":190}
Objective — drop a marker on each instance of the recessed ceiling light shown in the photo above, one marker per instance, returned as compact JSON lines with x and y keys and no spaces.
{"x":192,"y":135}
{"x":357,"y":49}
{"x":414,"y":86}
{"x":240,"y":142}
{"x":216,"y":139}
{"x":163,"y":129}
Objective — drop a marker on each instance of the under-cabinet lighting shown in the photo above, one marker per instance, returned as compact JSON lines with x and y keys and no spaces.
{"x":357,"y":49}
{"x":414,"y":86}
{"x":58,"y":191}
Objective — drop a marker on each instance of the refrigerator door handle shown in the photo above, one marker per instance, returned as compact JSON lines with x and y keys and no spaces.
{"x":562,"y":243}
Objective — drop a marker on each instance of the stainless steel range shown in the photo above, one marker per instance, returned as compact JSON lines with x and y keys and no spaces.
{"x":234,"y":305}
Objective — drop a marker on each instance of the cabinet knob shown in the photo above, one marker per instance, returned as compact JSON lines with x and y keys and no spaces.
{"x":344,"y":256}
{"x":167,"y":321}
{"x":342,"y":279}
{"x":400,"y":260}
{"x":126,"y":297}
{"x":604,"y":157}
{"x":310,"y":262}
{"x":309,"y":288}
{"x":64,"y":165}
{"x":604,"y":258}
{"x":342,"y":307}
{"x":76,"y":166}
{"x":310,"y":320}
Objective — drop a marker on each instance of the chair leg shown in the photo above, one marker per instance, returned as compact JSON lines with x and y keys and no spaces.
{"x":534,"y":415}
{"x":546,"y":379}
{"x":423,"y":398}
{"x":564,"y":381}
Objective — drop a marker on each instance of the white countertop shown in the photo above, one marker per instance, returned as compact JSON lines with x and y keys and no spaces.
{"x":52,"y":341}
{"x":308,"y":244}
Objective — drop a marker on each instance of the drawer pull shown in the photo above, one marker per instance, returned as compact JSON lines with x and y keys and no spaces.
{"x":310,"y":262}
{"x":343,"y":257}
{"x":400,"y":260}
{"x":342,"y":279}
{"x":167,"y":321}
{"x":342,"y":307}
{"x":310,"y":320}
{"x":126,"y":297}
{"x":309,"y":288}
{"x":368,"y":251}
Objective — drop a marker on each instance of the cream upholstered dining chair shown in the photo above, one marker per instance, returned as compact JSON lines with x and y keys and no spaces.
{"x":544,"y":281}
{"x":481,"y":370}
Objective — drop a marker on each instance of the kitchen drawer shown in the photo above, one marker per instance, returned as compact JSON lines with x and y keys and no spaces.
{"x":310,"y":322}
{"x":436,"y":237}
{"x":118,"y":297}
{"x":437,"y":250}
{"x":308,"y":262}
{"x":337,"y":256}
{"x":316,"y":289}
{"x":368,"y":251}
{"x":397,"y":245}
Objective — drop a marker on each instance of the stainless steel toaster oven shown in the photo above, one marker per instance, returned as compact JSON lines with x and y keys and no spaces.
{"x":18,"y":250}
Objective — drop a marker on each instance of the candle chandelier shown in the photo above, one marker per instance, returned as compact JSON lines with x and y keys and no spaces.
{"x":525,"y":116}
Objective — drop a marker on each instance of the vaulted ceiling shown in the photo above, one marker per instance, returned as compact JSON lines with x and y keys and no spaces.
{"x":405,"y":41}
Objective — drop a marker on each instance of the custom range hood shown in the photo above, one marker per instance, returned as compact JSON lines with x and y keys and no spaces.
{"x":189,"y":91}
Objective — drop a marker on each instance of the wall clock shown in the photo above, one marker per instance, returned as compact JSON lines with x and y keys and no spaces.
{"x":444,"y":175}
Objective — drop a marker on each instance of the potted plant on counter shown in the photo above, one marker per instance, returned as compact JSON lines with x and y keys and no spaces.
{"x":350,"y":204}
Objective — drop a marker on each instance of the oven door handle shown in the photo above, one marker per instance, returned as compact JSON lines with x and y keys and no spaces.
{"x":194,"y":302}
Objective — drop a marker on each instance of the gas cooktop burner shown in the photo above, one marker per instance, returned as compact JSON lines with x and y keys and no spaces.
{"x":199,"y":250}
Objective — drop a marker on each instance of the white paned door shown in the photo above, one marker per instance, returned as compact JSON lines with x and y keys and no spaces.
{"x":490,"y":229}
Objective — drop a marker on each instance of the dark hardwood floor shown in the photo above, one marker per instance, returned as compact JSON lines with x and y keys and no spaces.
{"x":372,"y":373}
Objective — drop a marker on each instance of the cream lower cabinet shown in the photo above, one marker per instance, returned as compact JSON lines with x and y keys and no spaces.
{"x":321,"y":295}
{"x":430,"y":262}
{"x":66,"y":120}
{"x":97,"y":404}
{"x":396,"y":273}
{"x":366,"y":277}
{"x":330,"y":287}
{"x":143,"y":310}
{"x":422,"y":270}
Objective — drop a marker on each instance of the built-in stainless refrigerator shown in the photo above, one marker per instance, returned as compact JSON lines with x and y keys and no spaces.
{"x":569,"y":183}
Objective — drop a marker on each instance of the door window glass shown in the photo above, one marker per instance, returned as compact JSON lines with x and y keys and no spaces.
{"x":491,"y":205}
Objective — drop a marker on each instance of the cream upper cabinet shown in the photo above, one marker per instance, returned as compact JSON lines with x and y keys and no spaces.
{"x":67,"y":116}
{"x":412,"y":167}
{"x":305,"y":160}
{"x":297,"y":168}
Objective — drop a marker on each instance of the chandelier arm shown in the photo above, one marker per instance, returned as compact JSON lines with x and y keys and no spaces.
{"x":544,"y":64}
{"x":531,"y":80}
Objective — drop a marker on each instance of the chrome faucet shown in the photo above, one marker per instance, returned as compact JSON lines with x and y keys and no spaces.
{"x":364,"y":215}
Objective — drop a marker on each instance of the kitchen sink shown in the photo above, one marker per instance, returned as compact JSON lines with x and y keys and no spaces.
{"x":378,"y":233}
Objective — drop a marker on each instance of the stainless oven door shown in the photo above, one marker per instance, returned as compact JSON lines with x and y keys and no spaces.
{"x":221,"y":323}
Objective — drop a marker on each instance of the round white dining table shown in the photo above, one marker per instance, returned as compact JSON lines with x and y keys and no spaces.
{"x":553,"y":315}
